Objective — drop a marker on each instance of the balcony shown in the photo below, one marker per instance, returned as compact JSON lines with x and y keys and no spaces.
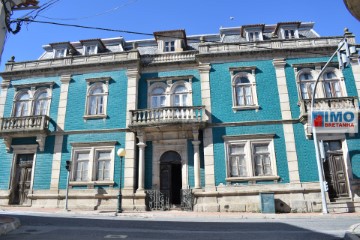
{"x":341,"y":103}
{"x":167,"y":116}
{"x":29,"y":126}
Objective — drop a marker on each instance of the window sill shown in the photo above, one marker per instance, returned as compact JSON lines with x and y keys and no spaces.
{"x":240,"y":108}
{"x":245,"y":179}
{"x":102,"y":116}
{"x":92,"y":183}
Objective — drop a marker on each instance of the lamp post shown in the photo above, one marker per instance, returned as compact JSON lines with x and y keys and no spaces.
{"x":316,"y":143}
{"x":121,"y":153}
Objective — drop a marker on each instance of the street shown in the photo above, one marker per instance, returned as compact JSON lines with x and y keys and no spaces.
{"x":58,"y":226}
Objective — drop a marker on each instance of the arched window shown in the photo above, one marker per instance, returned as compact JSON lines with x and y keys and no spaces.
{"x":22,"y":105}
{"x":243,"y":91}
{"x":41,"y":103}
{"x":96,"y":100}
{"x":332,"y":85}
{"x":158,"y":98}
{"x":307,"y":85}
{"x":180,"y":96}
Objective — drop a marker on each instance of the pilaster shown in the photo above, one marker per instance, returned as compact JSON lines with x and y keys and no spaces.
{"x":4,"y":88}
{"x":55,"y":172}
{"x":204,"y":70}
{"x":289,"y":138}
{"x":355,"y":65}
{"x":130,"y":139}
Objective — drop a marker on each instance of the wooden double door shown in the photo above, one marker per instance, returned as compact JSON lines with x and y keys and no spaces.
{"x":21,"y":180}
{"x":335,"y":171}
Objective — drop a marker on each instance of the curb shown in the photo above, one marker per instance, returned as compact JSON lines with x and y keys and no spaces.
{"x":10,"y":224}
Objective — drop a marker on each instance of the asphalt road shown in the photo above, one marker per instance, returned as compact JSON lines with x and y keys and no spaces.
{"x":64,"y":228}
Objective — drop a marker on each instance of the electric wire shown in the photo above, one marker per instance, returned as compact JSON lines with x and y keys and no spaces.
{"x":91,"y":16}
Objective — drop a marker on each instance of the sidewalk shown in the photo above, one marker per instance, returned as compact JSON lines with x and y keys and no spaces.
{"x":10,"y":223}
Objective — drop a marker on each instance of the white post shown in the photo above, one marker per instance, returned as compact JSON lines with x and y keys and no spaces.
{"x":196,"y":164}
{"x":316,"y":143}
{"x":67,"y":191}
{"x":141,"y":145}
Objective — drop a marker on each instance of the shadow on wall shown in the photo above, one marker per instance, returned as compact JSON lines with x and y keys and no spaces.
{"x":100,"y":196}
{"x":281,"y":206}
{"x":354,"y":154}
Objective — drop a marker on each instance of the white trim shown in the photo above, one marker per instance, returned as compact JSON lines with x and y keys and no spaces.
{"x":320,"y":91}
{"x":346,"y":157}
{"x":92,"y":169}
{"x":162,"y":146}
{"x":169,"y":88}
{"x":91,"y":84}
{"x":252,"y":84}
{"x":23,"y":149}
{"x":33,"y":92}
{"x":248,"y":150}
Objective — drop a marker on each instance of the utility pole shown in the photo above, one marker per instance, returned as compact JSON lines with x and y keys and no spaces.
{"x":6,"y":8}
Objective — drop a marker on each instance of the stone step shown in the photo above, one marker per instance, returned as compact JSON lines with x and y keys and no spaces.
{"x":343,"y":206}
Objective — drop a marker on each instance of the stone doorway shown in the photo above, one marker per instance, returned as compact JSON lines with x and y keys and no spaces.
{"x":21,"y":181}
{"x":171,"y":177}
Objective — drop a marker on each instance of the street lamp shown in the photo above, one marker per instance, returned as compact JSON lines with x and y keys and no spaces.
{"x":121,"y":153}
{"x":323,"y":184}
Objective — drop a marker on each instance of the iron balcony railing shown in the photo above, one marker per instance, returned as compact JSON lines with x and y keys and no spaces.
{"x":24,"y":124}
{"x":167,"y":115}
{"x":339,"y":103}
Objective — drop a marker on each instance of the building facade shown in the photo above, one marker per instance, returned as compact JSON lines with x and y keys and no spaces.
{"x":208,"y":122}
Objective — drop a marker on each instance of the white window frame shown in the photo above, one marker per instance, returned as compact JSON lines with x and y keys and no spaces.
{"x":33,"y":95}
{"x":47,"y":99}
{"x":93,"y":149}
{"x":87,"y":51}
{"x":93,"y":83}
{"x":339,"y":78}
{"x":244,"y":72}
{"x":294,"y":29}
{"x":250,"y":34}
{"x":308,"y":83}
{"x":60,"y":52}
{"x":321,"y":88}
{"x":26,"y":103}
{"x":170,"y":86}
{"x":169,"y":46}
{"x":249,"y":141}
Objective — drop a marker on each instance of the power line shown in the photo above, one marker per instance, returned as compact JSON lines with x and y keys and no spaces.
{"x":91,"y":16}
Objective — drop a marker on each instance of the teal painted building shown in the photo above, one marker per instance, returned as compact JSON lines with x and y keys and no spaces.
{"x":206,"y":123}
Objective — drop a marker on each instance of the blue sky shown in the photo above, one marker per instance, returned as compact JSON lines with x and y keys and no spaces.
{"x":148,"y":16}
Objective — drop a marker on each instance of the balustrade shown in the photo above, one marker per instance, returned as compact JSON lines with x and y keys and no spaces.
{"x":167,"y":115}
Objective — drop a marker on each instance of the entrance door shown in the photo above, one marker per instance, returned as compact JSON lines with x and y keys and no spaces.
{"x":22,"y":179}
{"x":170,"y":176}
{"x":334,"y":169}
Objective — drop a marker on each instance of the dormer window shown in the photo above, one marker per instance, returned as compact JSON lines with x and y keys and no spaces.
{"x":92,"y":46}
{"x":289,"y":33}
{"x":89,"y":50}
{"x":253,"y":32}
{"x":59,"y":53}
{"x":254,"y":36}
{"x":171,"y":41}
{"x":62,"y":49}
{"x":287,"y":30}
{"x":169,"y":46}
